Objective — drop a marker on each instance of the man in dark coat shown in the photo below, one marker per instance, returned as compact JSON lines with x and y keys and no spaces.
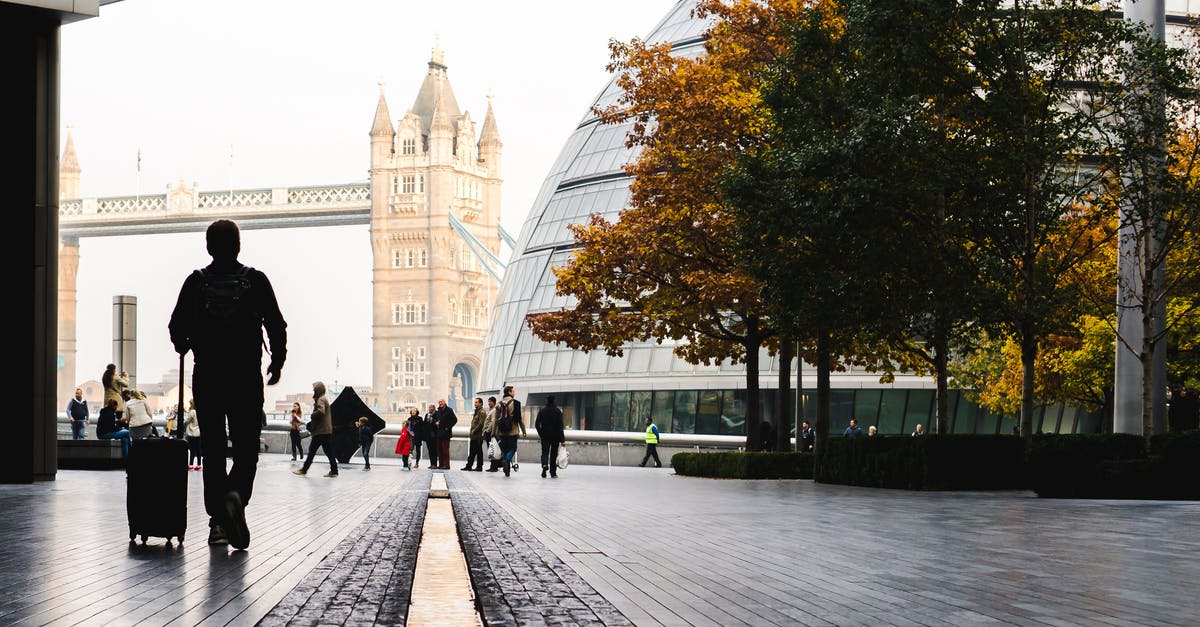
{"x":220,"y":316}
{"x":444,"y":419}
{"x":549,"y":425}
{"x":475,"y":438}
{"x":429,"y":435}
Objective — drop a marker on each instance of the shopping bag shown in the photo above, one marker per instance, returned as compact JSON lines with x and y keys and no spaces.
{"x":564,"y":457}
{"x":493,"y":451}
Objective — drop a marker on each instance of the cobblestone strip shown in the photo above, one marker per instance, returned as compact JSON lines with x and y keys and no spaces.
{"x":367,"y":579}
{"x":517,"y":580}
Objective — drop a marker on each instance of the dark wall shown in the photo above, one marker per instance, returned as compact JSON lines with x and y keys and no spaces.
{"x":29,"y":75}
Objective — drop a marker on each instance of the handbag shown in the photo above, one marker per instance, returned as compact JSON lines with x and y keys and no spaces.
{"x":564,"y":457}
{"x":493,"y":451}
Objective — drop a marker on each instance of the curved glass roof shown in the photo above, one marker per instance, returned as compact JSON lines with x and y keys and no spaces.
{"x":587,"y":178}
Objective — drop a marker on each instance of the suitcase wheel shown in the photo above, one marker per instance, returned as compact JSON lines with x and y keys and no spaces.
{"x":143,"y":539}
{"x":180,"y":538}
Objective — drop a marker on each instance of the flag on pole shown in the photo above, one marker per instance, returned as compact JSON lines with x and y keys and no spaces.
{"x":139,"y":163}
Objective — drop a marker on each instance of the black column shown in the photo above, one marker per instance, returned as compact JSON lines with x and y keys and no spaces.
{"x":29,"y":74}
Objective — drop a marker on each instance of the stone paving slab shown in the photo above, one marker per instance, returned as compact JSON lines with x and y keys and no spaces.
{"x":65,"y":558}
{"x":367,"y":578}
{"x":671,"y":550}
{"x":517,"y":579}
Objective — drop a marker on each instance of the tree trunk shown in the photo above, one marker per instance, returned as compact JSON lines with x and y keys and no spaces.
{"x":1028,"y":357}
{"x":940,"y":350}
{"x":783,"y":433}
{"x":824,"y":366}
{"x":753,"y":435}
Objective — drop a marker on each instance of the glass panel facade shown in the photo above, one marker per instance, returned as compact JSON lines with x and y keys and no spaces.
{"x":663,"y":411}
{"x":733,"y":413}
{"x":620,"y":411}
{"x":891,"y":412}
{"x":708,"y":413}
{"x":639,"y":410}
{"x":685,"y":411}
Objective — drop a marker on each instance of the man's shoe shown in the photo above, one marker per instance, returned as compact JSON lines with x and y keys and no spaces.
{"x":366,"y":467}
{"x":238,"y":532}
{"x":553,"y":476}
{"x":331,"y":474}
{"x":465,"y":468}
{"x":642,"y":465}
{"x":492,"y":470}
{"x":544,"y":469}
{"x":658,"y":465}
{"x":300,"y":471}
{"x":216,"y":535}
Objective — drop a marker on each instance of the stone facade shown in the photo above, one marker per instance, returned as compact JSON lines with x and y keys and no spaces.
{"x":432,"y":296}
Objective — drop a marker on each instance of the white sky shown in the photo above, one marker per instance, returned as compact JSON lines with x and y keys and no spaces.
{"x":292,"y":87}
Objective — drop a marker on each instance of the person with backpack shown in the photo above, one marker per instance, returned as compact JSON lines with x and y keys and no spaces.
{"x":220,"y":316}
{"x":509,"y":425}
{"x":549,"y":425}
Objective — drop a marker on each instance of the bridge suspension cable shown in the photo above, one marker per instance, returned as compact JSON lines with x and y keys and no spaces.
{"x":508,"y":239}
{"x":487,"y":259}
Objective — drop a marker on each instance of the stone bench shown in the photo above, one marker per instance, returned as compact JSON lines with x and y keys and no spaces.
{"x":90,"y":454}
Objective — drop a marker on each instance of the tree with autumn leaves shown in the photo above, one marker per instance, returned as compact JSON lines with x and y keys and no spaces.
{"x":668,"y":267}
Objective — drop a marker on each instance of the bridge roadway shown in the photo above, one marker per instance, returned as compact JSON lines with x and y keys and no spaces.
{"x":606,"y":545}
{"x":184,"y":209}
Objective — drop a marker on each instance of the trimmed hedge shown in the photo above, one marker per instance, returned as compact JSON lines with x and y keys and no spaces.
{"x":1116,"y":466}
{"x":741,"y":465}
{"x":931,"y":462}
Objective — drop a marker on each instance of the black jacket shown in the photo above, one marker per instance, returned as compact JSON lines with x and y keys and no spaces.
{"x":549,"y":424}
{"x":446,"y":420}
{"x":428,"y":431}
{"x":107,"y":421}
{"x":236,"y":346}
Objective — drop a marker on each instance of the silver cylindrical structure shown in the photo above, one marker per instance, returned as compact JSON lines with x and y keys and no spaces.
{"x":124,"y":353}
{"x":1127,"y":388}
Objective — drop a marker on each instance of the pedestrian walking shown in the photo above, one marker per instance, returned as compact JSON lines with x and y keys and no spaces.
{"x":192,"y":429}
{"x":366,"y":437}
{"x":321,"y":428}
{"x":77,"y":413}
{"x":296,"y":443}
{"x":509,"y":425}
{"x":444,"y":420}
{"x":549,"y":426}
{"x":220,"y":316}
{"x":808,"y":437}
{"x":475,"y":438}
{"x":652,"y":437}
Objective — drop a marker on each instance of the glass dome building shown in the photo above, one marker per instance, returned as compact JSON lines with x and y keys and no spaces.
{"x":599,"y":392}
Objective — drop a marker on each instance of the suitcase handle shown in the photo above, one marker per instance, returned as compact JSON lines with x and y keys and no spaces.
{"x":179,"y":428}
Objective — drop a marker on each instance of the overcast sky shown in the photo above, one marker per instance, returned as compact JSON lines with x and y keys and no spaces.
{"x":291,"y":87}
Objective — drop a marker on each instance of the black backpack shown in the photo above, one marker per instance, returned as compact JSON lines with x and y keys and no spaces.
{"x":225,"y":297}
{"x":504,"y":422}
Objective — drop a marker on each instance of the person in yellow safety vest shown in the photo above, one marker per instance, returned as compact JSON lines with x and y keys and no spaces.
{"x":651,"y":444}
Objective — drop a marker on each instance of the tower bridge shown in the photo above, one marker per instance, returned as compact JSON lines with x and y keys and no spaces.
{"x":432,"y":203}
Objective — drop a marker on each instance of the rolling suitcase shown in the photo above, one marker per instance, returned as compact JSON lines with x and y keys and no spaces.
{"x":156,"y":488}
{"x":156,"y":482}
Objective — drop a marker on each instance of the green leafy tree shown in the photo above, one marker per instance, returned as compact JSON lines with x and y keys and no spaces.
{"x":668,"y":268}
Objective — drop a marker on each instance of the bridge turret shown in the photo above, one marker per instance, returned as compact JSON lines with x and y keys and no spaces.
{"x":441,"y":133}
{"x":489,"y":143}
{"x":383,"y":135}
{"x":68,"y":171}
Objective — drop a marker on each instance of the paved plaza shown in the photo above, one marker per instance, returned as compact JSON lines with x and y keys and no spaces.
{"x":603,"y":545}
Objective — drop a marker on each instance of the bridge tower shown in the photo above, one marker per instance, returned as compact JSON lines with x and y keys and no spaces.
{"x":68,"y":269}
{"x":432,"y":297}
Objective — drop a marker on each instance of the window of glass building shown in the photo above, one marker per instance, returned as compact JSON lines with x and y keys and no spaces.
{"x":662,"y":410}
{"x":685,"y":411}
{"x":708,"y":411}
{"x":891,"y":412}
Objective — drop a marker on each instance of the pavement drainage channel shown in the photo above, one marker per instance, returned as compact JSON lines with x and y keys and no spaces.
{"x":442,"y":593}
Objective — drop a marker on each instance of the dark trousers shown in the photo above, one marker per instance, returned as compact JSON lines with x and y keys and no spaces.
{"x":431,"y":447}
{"x":325,"y":441}
{"x":651,"y":451}
{"x":297,"y":446}
{"x":194,"y":450}
{"x":550,"y":456}
{"x":475,"y":454}
{"x":508,"y":446}
{"x":443,"y":453}
{"x":235,"y":399}
{"x":366,"y":451}
{"x":416,"y":451}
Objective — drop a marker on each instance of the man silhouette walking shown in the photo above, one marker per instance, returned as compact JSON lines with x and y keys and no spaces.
{"x":220,"y":316}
